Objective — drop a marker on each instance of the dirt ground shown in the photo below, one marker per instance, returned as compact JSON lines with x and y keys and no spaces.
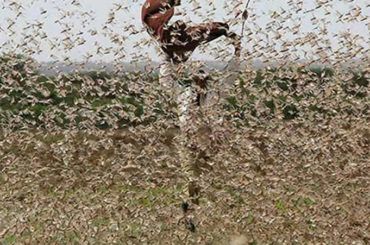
{"x":292,"y":182}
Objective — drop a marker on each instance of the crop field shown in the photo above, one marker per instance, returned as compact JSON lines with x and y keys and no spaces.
{"x":260,"y":133}
{"x":93,"y":158}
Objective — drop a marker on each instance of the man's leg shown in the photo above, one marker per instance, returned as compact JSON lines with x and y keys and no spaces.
{"x":186,"y":98}
{"x":166,"y":75}
{"x":187,"y":152}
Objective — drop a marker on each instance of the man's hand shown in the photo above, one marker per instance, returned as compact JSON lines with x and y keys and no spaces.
{"x":174,"y":2}
{"x":245,"y":14}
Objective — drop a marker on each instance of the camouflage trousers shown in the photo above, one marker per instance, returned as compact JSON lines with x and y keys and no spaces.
{"x":197,"y":121}
{"x":191,"y":121}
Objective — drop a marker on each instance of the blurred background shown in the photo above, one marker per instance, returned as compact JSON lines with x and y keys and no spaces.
{"x":110,"y":32}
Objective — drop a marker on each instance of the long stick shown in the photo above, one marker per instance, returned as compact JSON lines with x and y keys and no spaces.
{"x":245,"y":16}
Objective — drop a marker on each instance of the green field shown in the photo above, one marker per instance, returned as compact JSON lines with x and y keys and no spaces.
{"x":93,"y":158}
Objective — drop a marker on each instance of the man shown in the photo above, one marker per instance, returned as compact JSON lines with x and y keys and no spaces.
{"x":178,"y":41}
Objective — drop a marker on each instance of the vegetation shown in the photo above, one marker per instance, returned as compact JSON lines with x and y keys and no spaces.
{"x":93,"y":158}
